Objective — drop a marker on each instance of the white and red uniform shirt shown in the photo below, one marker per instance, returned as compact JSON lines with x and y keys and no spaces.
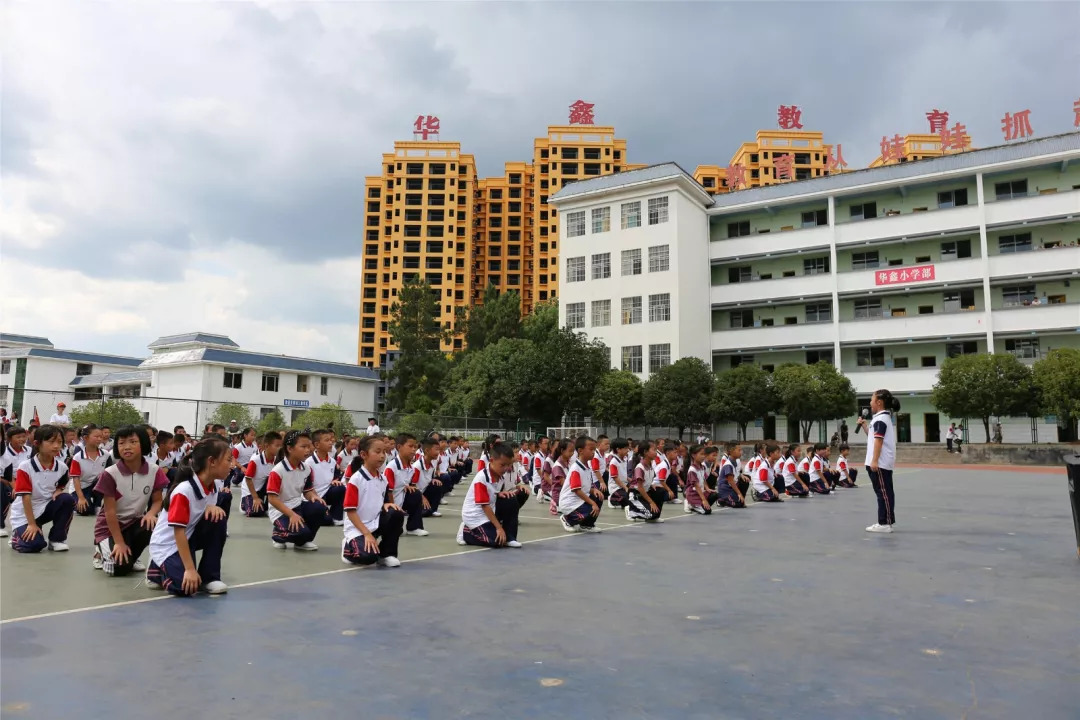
{"x":243,"y":452}
{"x":789,"y":471}
{"x":616,"y":471}
{"x":482,"y":463}
{"x":398,"y":476}
{"x":258,"y":469}
{"x":762,"y":478}
{"x":644,"y":477}
{"x":842,"y":467}
{"x":804,"y":465}
{"x":662,"y":470}
{"x":86,"y":469}
{"x":580,"y":478}
{"x":11,"y":460}
{"x":365,"y":493}
{"x":39,"y":483}
{"x":323,"y":471}
{"x":344,"y":460}
{"x":289,"y":484}
{"x":443,"y":465}
{"x":481,"y":492}
{"x":427,"y":473}
{"x":818,"y":465}
{"x":187,"y":503}
{"x":597,"y":467}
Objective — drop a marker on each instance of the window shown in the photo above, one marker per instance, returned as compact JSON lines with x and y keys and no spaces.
{"x":815,"y":266}
{"x":864,"y":211}
{"x":234,"y":377}
{"x":813,"y":218}
{"x":659,"y":260}
{"x":415,"y":168}
{"x":269,"y":382}
{"x":864,"y":260}
{"x":952,"y":198}
{"x":631,"y":358}
{"x":568,"y":169}
{"x":955,"y":249}
{"x":601,"y":266}
{"x":738,"y":229}
{"x":1027,"y":349}
{"x":575,"y":315}
{"x":969,"y":347}
{"x":957,"y":300}
{"x":5,"y":367}
{"x":815,"y":356}
{"x":569,"y":153}
{"x":575,"y":269}
{"x":631,"y":215}
{"x":575,"y":224}
{"x":819,"y":312}
{"x":742,"y":318}
{"x":1011,"y":189}
{"x":631,"y":262}
{"x":324,"y":386}
{"x":601,"y":313}
{"x":900,"y":362}
{"x":601,"y":219}
{"x":659,"y":356}
{"x":658,"y":210}
{"x":1012,"y":295}
{"x":631,"y":310}
{"x":737,"y":360}
{"x":928,"y":361}
{"x":82,"y":369}
{"x":1014,"y":243}
{"x":870,"y":357}
{"x":302,"y":380}
{"x":739,"y":274}
{"x":660,"y":307}
{"x":867,"y":309}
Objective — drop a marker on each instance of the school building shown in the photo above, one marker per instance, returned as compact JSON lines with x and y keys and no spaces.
{"x":884,"y":272}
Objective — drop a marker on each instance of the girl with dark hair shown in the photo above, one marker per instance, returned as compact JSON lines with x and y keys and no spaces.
{"x":618,"y":475}
{"x":731,"y":494}
{"x":786,"y":467}
{"x":697,"y":498}
{"x":14,"y":451}
{"x":373,"y":522}
{"x":193,"y":522}
{"x":881,"y":457}
{"x":544,"y":464}
{"x":86,"y":465}
{"x":296,"y":511}
{"x":763,"y":479}
{"x":253,"y":489}
{"x":560,"y":468}
{"x":647,"y":493}
{"x":39,"y":496}
{"x":818,"y":466}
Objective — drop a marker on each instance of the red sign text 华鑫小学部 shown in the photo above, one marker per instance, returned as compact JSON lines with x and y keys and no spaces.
{"x":895,"y":276}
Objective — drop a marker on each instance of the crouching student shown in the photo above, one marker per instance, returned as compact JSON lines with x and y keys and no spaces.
{"x":512,"y":492}
{"x":253,"y":490}
{"x":830,"y":475}
{"x":560,"y":468}
{"x":763,"y":481}
{"x":373,"y":522}
{"x":647,"y":494}
{"x":192,"y":522}
{"x":325,"y":476}
{"x":697,"y":497}
{"x":431,"y":487}
{"x":618,"y":477}
{"x":296,"y":511}
{"x":40,"y":498}
{"x":15,"y":450}
{"x":787,"y":468}
{"x":542,"y":466}
{"x":664,"y":468}
{"x":817,"y":465}
{"x":132,"y":491}
{"x":87,"y":464}
{"x":729,"y":492}
{"x":446,"y":474}
{"x":402,"y":484}
{"x":481,"y":524}
{"x":845,"y":473}
{"x":579,"y":498}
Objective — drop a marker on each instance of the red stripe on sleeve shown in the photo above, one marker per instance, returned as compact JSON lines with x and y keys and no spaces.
{"x":481,"y":465}
{"x":179,"y":510}
{"x":23,"y":484}
{"x":309,"y":483}
{"x":817,"y":464}
{"x":273,"y":483}
{"x":236,"y":453}
{"x":251,"y":470}
{"x":575,"y":479}
{"x":352,"y":496}
{"x":791,"y":467}
{"x":74,"y":469}
{"x":391,"y":480}
{"x":415,"y":476}
{"x":481,"y":495}
{"x":763,"y":475}
{"x":595,"y":463}
{"x":613,"y":470}
{"x":662,"y":474}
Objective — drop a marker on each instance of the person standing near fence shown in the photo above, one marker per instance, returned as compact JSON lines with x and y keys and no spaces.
{"x":881,"y":457}
{"x":950,"y":435}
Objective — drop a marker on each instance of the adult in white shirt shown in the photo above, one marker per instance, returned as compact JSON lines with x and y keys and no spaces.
{"x":881,"y":457}
{"x":372,"y":427}
{"x":60,"y":417}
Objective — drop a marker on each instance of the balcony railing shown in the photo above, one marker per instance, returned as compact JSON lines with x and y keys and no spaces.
{"x":927,"y":220}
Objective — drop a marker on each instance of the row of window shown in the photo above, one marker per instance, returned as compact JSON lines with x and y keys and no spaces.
{"x":659,"y":261}
{"x":630,"y":217}
{"x":659,"y":357}
{"x":234,"y":379}
{"x":659,"y":311}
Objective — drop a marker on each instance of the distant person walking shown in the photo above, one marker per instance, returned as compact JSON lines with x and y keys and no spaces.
{"x":950,"y":435}
{"x":881,"y":457}
{"x":959,"y":439}
{"x":843,"y":432}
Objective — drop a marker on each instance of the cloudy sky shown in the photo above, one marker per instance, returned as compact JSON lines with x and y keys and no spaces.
{"x":169,"y":167}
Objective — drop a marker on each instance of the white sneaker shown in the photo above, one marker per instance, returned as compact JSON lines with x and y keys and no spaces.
{"x":138,"y":566}
{"x":567,"y":526}
{"x":215,"y":587}
{"x":58,"y":547}
{"x":4,"y":532}
{"x":389,"y":562}
{"x":279,"y":546}
{"x":98,"y":563}
{"x":449,"y":494}
{"x":657,"y":520}
{"x":418,"y":533}
{"x":513,"y":544}
{"x":876,"y":528}
{"x":343,"y":558}
{"x":687,"y":507}
{"x":461,"y":534}
{"x":307,"y":547}
{"x":436,"y":513}
{"x":591,"y":529}
{"x":631,"y":516}
{"x":444,"y":501}
{"x":153,"y":585}
{"x":338,"y":523}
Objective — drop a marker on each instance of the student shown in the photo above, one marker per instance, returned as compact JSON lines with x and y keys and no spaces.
{"x":560,"y":468}
{"x":512,"y":492}
{"x":402,"y":482}
{"x":698,"y":498}
{"x":244,"y":449}
{"x":253,"y":489}
{"x":523,"y":461}
{"x":881,"y":457}
{"x":729,"y":492}
{"x":126,"y":521}
{"x":712,"y":466}
{"x":465,"y":462}
{"x":817,"y":465}
{"x":802,"y":467}
{"x":71,"y":444}
{"x":579,"y":499}
{"x":431,"y":488}
{"x":87,"y":464}
{"x":542,"y":464}
{"x":665,"y":474}
{"x":296,"y":511}
{"x":39,"y":496}
{"x":599,"y":464}
{"x":14,"y":452}
{"x":788,"y":469}
{"x":846,"y":473}
{"x":647,"y":494}
{"x":830,"y":475}
{"x":372,"y":521}
{"x":323,"y":466}
{"x":348,"y":452}
{"x":618,"y":476}
{"x":193,"y":521}
{"x":106,"y":439}
{"x":481,"y":524}
{"x":449,"y":477}
{"x":161,"y":453}
{"x":764,"y":477}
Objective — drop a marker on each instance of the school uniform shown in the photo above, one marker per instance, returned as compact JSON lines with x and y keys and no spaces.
{"x":698,"y":497}
{"x":830,"y":475}
{"x":10,"y":460}
{"x":644,"y":482}
{"x":430,"y":489}
{"x":85,"y":470}
{"x":187,"y":509}
{"x":399,"y":478}
{"x":787,"y":468}
{"x":542,"y":466}
{"x":802,"y":469}
{"x":762,"y":483}
{"x":477,"y":529}
{"x":40,"y":483}
{"x":574,"y":511}
{"x":666,"y":476}
{"x":258,"y":471}
{"x":133,"y":492}
{"x":244,"y":452}
{"x":446,"y":475}
{"x":618,"y":496}
{"x":846,"y":474}
{"x":882,"y":480}
{"x":289,"y":484}
{"x":466,"y":461}
{"x":324,"y":472}
{"x":344,"y":460}
{"x":817,"y":483}
{"x":366,"y":494}
{"x":726,"y":495}
{"x":558,"y":479}
{"x":742,"y":476}
{"x":523,"y":465}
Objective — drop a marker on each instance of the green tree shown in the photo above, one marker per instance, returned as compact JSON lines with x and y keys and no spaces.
{"x":417,"y":424}
{"x":569,"y":369}
{"x":498,"y":381}
{"x":110,"y":412}
{"x":617,"y":399}
{"x":416,"y":378}
{"x":742,"y":395}
{"x":326,"y":416}
{"x":274,"y":421}
{"x":227,"y":412}
{"x":1057,"y":377}
{"x":811,"y":393}
{"x":498,"y":317}
{"x":982,"y":385}
{"x":678,"y":395}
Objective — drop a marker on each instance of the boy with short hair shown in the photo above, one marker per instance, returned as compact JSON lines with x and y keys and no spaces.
{"x":577,"y":502}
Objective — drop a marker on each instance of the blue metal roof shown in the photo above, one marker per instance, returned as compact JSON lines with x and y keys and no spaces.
{"x":195,"y":337}
{"x":78,"y":356}
{"x":28,"y":339}
{"x":116,"y":378}
{"x":282,"y":362}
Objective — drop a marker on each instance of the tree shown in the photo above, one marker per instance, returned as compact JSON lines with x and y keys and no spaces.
{"x":498,"y":381}
{"x":416,"y":377}
{"x":107,"y":412}
{"x":274,"y":421}
{"x":678,"y":395}
{"x":809,"y":393}
{"x":416,"y":424}
{"x":226,"y":412}
{"x":983,"y":385}
{"x":742,"y":395}
{"x":498,"y":317}
{"x":1057,"y":377}
{"x":617,"y":399}
{"x":326,"y":416}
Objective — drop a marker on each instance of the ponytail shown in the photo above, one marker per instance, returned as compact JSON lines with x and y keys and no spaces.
{"x":210,"y":448}
{"x":888,"y":401}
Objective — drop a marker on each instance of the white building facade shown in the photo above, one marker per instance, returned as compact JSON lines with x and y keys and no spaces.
{"x":883,"y":272}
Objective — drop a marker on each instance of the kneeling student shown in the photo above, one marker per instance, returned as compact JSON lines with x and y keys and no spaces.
{"x":431,"y":488}
{"x":253,"y":489}
{"x":763,"y":480}
{"x":324,"y":476}
{"x":40,"y":498}
{"x":647,"y":494}
{"x":577,"y":499}
{"x":560,"y":468}
{"x":728,"y":488}
{"x":481,"y":523}
{"x":296,"y":511}
{"x":788,"y":469}
{"x":697,"y":498}
{"x":818,"y":464}
{"x":618,"y":477}
{"x":402,"y":484}
{"x":85,"y":467}
{"x":194,"y":521}
{"x":846,"y":474}
{"x":373,"y":522}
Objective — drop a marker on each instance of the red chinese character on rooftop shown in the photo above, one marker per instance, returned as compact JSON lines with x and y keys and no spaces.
{"x":834,"y":162}
{"x":938,"y":120}
{"x":789,"y":116}
{"x":1016,"y":125}
{"x":581,"y":113}
{"x":785,"y":166}
{"x":425,"y":126}
{"x":736,"y":176}
{"x":955,"y":138}
{"x":1076,"y":109}
{"x":892,"y":150}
